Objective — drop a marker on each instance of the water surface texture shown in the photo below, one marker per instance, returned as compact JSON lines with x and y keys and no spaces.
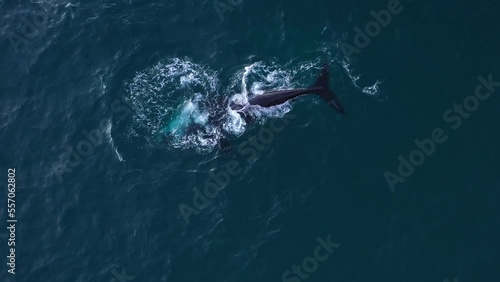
{"x":131,"y":166}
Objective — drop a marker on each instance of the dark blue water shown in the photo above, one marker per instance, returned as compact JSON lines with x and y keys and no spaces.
{"x":122,"y":175}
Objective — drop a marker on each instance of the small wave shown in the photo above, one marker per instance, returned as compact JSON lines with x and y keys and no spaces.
{"x":111,"y":141}
{"x":370,"y":90}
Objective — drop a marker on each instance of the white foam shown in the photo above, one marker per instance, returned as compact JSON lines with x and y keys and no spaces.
{"x":156,"y":92}
{"x":111,"y":141}
{"x":234,"y":124}
{"x":120,"y":158}
{"x":370,"y":90}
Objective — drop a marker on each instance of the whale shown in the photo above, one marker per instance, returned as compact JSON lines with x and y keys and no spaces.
{"x":199,"y":120}
{"x":321,"y":88}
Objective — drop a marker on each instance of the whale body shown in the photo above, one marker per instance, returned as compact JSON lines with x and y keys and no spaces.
{"x":320,"y":87}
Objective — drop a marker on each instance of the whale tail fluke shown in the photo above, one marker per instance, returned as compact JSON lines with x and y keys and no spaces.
{"x":328,"y":95}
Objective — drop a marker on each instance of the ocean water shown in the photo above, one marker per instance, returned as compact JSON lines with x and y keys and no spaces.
{"x":130,"y":166}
